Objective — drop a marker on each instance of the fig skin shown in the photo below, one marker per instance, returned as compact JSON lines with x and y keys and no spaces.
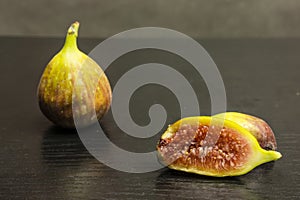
{"x":73,"y":86}
{"x":235,"y":153}
{"x":256,"y":126}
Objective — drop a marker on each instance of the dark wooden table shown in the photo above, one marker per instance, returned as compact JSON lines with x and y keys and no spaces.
{"x":41,"y":161}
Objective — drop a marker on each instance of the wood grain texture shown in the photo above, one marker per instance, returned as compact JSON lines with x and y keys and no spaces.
{"x":41,"y":161}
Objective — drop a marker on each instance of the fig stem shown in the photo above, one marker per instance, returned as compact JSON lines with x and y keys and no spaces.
{"x":71,"y":37}
{"x":271,"y":155}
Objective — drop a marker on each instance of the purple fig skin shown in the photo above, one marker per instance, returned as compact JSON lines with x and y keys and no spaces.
{"x":256,"y":126}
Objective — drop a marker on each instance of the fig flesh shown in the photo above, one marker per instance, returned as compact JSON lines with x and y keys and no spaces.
{"x":211,"y":146}
{"x":73,"y":86}
{"x":256,"y":126}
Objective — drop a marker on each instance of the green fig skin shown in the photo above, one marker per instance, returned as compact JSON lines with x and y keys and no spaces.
{"x":73,"y":87}
{"x":256,"y":126}
{"x":187,"y":146}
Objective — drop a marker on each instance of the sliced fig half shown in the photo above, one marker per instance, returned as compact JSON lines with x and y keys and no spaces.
{"x":211,"y":146}
{"x":256,"y":126}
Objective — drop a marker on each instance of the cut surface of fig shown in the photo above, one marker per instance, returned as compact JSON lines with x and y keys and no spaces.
{"x":259,"y":128}
{"x":211,"y":147}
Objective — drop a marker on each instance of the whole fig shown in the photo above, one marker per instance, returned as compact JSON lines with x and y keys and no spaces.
{"x":73,"y":86}
{"x":211,"y":146}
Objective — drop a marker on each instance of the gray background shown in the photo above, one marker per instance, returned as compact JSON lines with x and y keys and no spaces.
{"x":202,"y":18}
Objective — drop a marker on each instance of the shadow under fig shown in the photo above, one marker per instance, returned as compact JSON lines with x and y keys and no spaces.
{"x":62,"y":147}
{"x":183,"y":184}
